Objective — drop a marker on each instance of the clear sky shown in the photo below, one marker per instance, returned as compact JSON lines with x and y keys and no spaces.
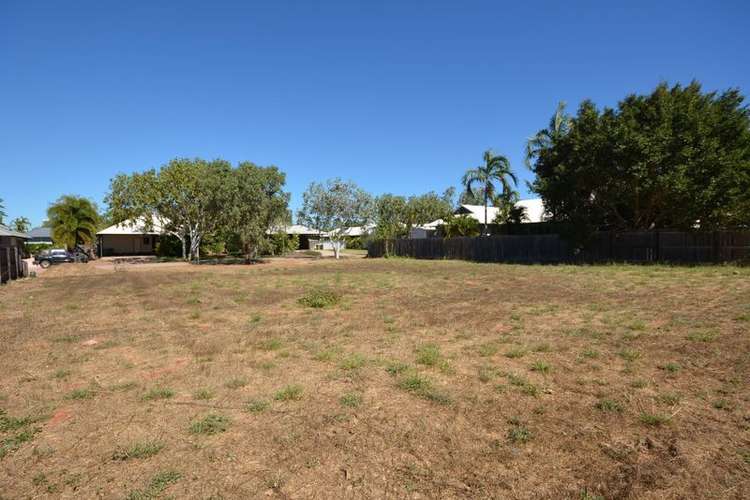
{"x":398,"y":96}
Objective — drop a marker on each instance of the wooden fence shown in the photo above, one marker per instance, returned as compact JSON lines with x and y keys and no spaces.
{"x":644,"y":246}
{"x":11,"y":259}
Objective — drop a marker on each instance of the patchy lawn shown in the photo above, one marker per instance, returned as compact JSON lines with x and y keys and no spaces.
{"x":376,"y":378}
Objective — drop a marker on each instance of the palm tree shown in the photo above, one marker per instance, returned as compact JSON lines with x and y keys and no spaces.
{"x":559,"y":125}
{"x":496,"y":168}
{"x":73,"y":220}
{"x":21,"y":224}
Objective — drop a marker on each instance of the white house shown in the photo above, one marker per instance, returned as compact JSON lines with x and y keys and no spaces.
{"x":425,"y":230}
{"x":534,"y":213}
{"x":304,"y":233}
{"x":130,"y":237}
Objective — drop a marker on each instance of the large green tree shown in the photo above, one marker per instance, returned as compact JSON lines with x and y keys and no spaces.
{"x":257,"y":205}
{"x":428,"y":207}
{"x":496,"y":169}
{"x":189,"y":197}
{"x":73,"y":220}
{"x":675,"y":158}
{"x":2,"y":211}
{"x":391,"y":218}
{"x":334,"y":206}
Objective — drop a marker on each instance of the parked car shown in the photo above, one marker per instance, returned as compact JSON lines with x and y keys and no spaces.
{"x":46,"y":258}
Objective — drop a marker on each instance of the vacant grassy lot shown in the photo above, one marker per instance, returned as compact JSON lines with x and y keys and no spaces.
{"x":376,"y":378}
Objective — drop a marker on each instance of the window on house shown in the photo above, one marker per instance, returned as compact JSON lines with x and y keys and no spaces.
{"x":145,"y":240}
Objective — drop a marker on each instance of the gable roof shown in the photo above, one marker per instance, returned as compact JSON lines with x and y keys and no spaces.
{"x":6,"y":231}
{"x":358,"y":230}
{"x":41,"y":232}
{"x":293,"y":229}
{"x":534,"y":212}
{"x":134,"y":227}
{"x":477,"y":212}
{"x":534,"y":209}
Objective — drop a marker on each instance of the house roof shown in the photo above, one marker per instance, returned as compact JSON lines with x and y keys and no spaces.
{"x":134,"y":227}
{"x":358,"y":230}
{"x":432,"y":225}
{"x":41,"y":232}
{"x":477,"y":212}
{"x":534,"y":212}
{"x":6,"y":231}
{"x":534,"y":209}
{"x":294,"y":229}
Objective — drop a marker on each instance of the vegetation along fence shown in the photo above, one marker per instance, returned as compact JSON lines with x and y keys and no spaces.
{"x":645,"y":246}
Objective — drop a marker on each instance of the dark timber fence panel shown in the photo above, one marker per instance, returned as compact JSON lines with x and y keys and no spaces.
{"x":636,"y":246}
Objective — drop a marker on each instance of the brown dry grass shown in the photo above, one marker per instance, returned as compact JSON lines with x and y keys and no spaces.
{"x":427,"y":379}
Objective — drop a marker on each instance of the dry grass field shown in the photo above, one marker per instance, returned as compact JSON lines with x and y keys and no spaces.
{"x":415,"y":379}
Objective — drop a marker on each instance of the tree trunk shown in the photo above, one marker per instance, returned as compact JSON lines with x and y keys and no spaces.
{"x":195,"y":243}
{"x":485,"y":213}
{"x":336,"y":248}
{"x":182,"y":239}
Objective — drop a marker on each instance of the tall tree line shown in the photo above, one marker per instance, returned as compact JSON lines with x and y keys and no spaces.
{"x":675,"y":158}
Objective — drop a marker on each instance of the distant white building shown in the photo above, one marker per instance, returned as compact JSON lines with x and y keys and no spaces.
{"x":534,"y":209}
{"x":304,"y":233}
{"x":534,"y":213}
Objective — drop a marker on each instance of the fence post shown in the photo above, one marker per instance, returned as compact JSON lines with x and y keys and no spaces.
{"x":715,"y":246}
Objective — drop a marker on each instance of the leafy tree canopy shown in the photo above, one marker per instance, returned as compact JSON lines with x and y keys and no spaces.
{"x":258,"y":203}
{"x":675,"y":158}
{"x":480,"y":181}
{"x":21,"y":224}
{"x":195,"y":199}
{"x":73,"y":220}
{"x":424,"y":208}
{"x":333,"y":206}
{"x":460,"y":225}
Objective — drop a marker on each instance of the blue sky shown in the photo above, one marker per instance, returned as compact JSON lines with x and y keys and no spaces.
{"x":398,"y":96}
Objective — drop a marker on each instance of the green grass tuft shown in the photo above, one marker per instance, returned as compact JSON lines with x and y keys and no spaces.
{"x":158,"y":393}
{"x":428,"y":355}
{"x":257,"y":405}
{"x":203,"y":394}
{"x":609,"y":405}
{"x":210,"y":424}
{"x":423,"y":387}
{"x":78,"y":394}
{"x":351,"y":400}
{"x":541,"y":367}
{"x":396,"y":367}
{"x":629,"y":354}
{"x":353,"y":362}
{"x":320,"y":298}
{"x":702,"y":336}
{"x":654,"y":419}
{"x":158,"y":484}
{"x":515,"y":353}
{"x":143,"y":449}
{"x":289,"y":393}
